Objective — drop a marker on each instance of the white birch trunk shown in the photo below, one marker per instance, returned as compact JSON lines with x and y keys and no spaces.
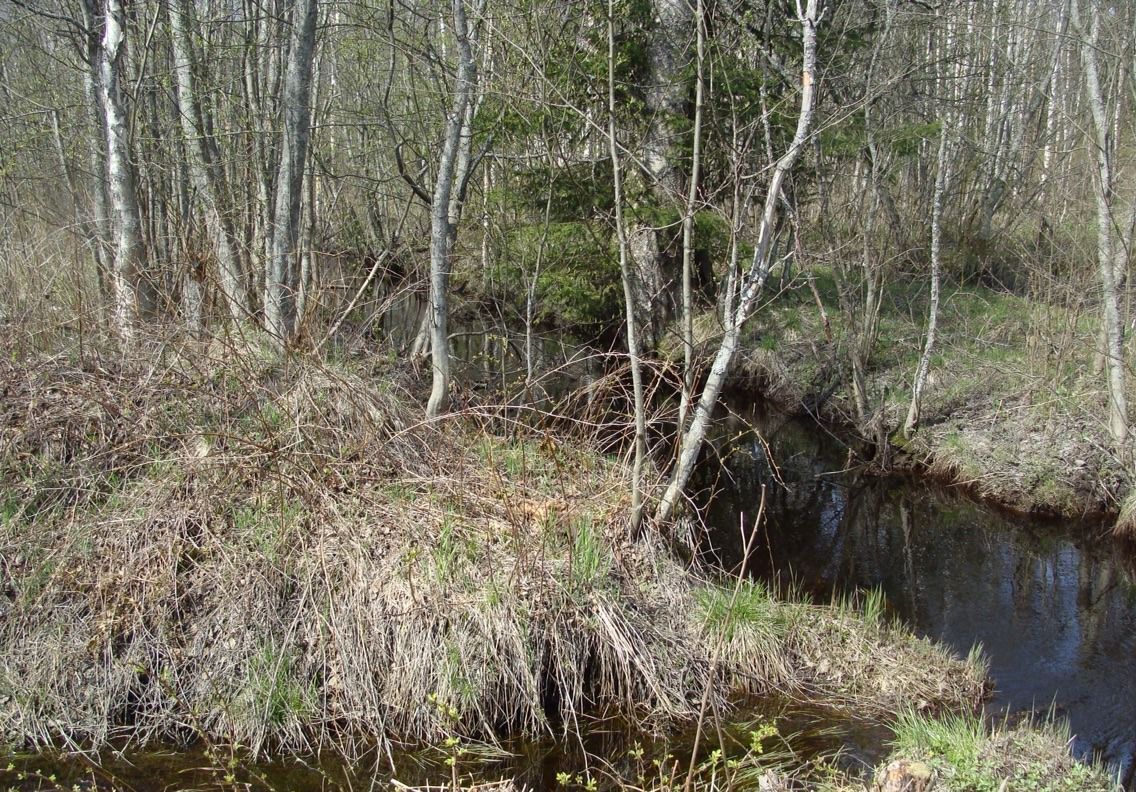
{"x":202,"y":170}
{"x":688,"y":224}
{"x":282,"y":277}
{"x":445,"y":207}
{"x":924,"y":367}
{"x":753,"y":281}
{"x":1111,"y":326}
{"x":131,"y":299}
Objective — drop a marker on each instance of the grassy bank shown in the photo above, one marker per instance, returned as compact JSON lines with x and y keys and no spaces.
{"x":281,"y":555}
{"x":1013,"y":409}
{"x":960,"y":753}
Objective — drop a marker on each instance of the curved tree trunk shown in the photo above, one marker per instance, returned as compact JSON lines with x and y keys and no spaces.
{"x":751,"y":282}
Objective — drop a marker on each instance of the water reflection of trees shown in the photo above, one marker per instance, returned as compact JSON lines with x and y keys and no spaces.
{"x":1055,"y":610}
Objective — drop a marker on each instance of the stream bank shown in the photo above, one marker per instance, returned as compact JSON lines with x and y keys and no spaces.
{"x":1012,"y":409}
{"x":279,"y":555}
{"x":1053,"y":607}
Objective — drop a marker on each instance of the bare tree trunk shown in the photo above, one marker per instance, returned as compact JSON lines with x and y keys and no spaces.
{"x":628,"y":288}
{"x":688,"y":224}
{"x":281,"y":278}
{"x":1112,"y":328}
{"x":88,"y":235}
{"x":924,"y":367}
{"x":446,"y":204}
{"x":752,"y":282}
{"x":420,"y":346}
{"x":1052,"y":112}
{"x":530,"y":290}
{"x":100,"y":203}
{"x":131,"y":297}
{"x":260,"y":86}
{"x":654,"y":278}
{"x":866,"y":320}
{"x":202,"y":170}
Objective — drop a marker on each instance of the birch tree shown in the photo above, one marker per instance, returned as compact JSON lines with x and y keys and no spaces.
{"x":747,"y":286}
{"x":628,"y":287}
{"x":924,"y":367}
{"x":282,"y":276}
{"x":454,"y":167}
{"x":133,"y":297}
{"x":1104,"y":186}
{"x":653,"y":284}
{"x":203,"y":172}
{"x":688,"y":218}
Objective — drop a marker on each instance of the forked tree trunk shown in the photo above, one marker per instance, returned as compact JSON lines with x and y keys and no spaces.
{"x":202,"y":170}
{"x":282,"y":276}
{"x":750,"y":283}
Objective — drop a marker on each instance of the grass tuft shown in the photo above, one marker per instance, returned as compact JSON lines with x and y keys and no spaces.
{"x":968,"y":756}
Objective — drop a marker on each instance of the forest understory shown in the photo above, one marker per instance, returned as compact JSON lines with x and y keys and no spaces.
{"x":279,"y":554}
{"x":236,"y":509}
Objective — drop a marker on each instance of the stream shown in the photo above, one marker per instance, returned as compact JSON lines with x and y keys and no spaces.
{"x":1053,"y":608}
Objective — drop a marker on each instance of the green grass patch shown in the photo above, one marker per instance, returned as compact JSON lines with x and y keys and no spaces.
{"x":966,"y":755}
{"x":274,"y":695}
{"x":726,"y":611}
{"x":591,"y":559}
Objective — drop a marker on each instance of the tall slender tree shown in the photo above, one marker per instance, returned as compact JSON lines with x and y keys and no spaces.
{"x":748,"y":284}
{"x":133,"y":294}
{"x":282,"y":282}
{"x":626,"y":276}
{"x":203,"y":170}
{"x":1104,"y":184}
{"x":454,"y":168}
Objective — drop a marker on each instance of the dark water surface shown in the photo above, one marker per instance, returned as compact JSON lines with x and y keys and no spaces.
{"x":609,"y":751}
{"x":1053,"y":608}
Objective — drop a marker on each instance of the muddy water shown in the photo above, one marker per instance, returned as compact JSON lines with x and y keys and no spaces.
{"x":1054,"y":609}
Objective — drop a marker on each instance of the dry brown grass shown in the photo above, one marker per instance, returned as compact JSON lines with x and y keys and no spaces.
{"x":282,"y":554}
{"x":1125,"y":526}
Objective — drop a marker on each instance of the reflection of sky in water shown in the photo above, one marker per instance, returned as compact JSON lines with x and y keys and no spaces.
{"x":1058,"y":622}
